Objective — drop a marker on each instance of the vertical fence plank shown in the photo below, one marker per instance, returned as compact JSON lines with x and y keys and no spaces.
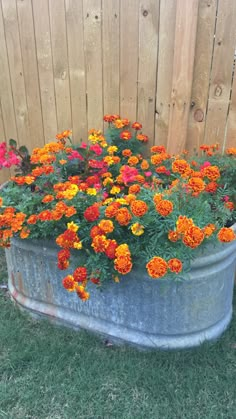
{"x":60,"y":63}
{"x":111,"y":55}
{"x":75,"y":37}
{"x":129,"y":26}
{"x":221,"y":74}
{"x":4,"y":173}
{"x":16,"y":69}
{"x":93,"y":54}
{"x":165,"y":69}
{"x":201,"y":74}
{"x":44,"y":57}
{"x":231,"y":125}
{"x":147,"y":68}
{"x":185,"y":36}
{"x":28,"y":51}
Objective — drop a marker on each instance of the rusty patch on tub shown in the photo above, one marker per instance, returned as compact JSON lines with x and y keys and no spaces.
{"x":20,"y":283}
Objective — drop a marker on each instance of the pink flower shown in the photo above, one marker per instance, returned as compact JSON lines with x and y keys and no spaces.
{"x":75,"y":155}
{"x":96,"y":164}
{"x":148,"y":174}
{"x":96,"y":149}
{"x":128,"y":173}
{"x":83,"y":145}
{"x":205,"y":164}
{"x":225,"y":198}
{"x":105,"y":195}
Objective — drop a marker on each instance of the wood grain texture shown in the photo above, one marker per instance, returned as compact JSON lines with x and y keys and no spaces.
{"x":77,"y":72}
{"x":201,"y":74}
{"x":164,"y":69}
{"x":45,"y":67}
{"x":221,"y":74}
{"x":185,"y":36}
{"x":111,"y":55}
{"x":93,"y":53}
{"x":230,"y":140}
{"x":60,"y":64}
{"x":129,"y":27}
{"x":4,"y":173}
{"x":147,"y":67}
{"x":30,"y":68}
{"x":16,"y":70}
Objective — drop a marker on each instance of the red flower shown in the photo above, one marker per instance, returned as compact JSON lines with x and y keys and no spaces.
{"x":91,"y":213}
{"x":80,"y":274}
{"x":137,"y":126}
{"x":125,"y":135}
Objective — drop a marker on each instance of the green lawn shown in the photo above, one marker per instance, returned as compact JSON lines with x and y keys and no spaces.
{"x":50,"y":372}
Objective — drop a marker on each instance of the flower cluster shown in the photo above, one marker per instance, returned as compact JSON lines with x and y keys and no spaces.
{"x":108,"y":203}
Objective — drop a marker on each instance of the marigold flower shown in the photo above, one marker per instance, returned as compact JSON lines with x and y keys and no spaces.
{"x":1,"y":202}
{"x":126,"y":153}
{"x":72,"y":226}
{"x":196,"y":184}
{"x":118,"y":123}
{"x":130,"y":198}
{"x":125,"y":135}
{"x":138,"y":208}
{"x":122,"y":250}
{"x":144,"y":165}
{"x":111,"y":210}
{"x":62,"y":161}
{"x":123,"y":265}
{"x":139,"y":179}
{"x":211,"y":172}
{"x":133,"y":161}
{"x":25,"y":232}
{"x":143,"y":138}
{"x":193,"y":237}
{"x":112,"y":149}
{"x":137,"y":229}
{"x":156,"y":159}
{"x":63,"y":257}
{"x":91,"y":213}
{"x":106,"y":225}
{"x":45,"y":215}
{"x":111,"y":249}
{"x":229,"y":205}
{"x":96,"y":231}
{"x":67,"y":239}
{"x":48,"y":198}
{"x":231,"y":151}
{"x":133,"y":189}
{"x":110,"y":118}
{"x":32,"y":219}
{"x":80,"y":274}
{"x":183,"y":223}
{"x":115,"y":190}
{"x":175,"y":265}
{"x":99,"y":243}
{"x":173,"y":236}
{"x":164,"y":207}
{"x":226,"y":235}
{"x":137,"y":126}
{"x":158,"y":149}
{"x":123,"y":216}
{"x":211,"y":187}
{"x":69,"y":283}
{"x":157,"y":198}
{"x":157,"y":267}
{"x":82,"y":293}
{"x":180,"y":166}
{"x":209,"y":229}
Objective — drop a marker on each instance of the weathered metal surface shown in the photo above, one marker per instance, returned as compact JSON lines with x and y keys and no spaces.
{"x":138,"y":310}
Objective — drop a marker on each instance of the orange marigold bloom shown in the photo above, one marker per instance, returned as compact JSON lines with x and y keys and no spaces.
{"x":25,"y":232}
{"x":231,"y":151}
{"x":143,"y":138}
{"x":137,"y":126}
{"x":123,"y":265}
{"x":158,"y":149}
{"x":99,"y":244}
{"x":144,"y":165}
{"x":122,"y":250}
{"x":140,"y":179}
{"x":125,"y":135}
{"x":209,"y":229}
{"x":130,"y":198}
{"x":112,"y":209}
{"x":183,"y":223}
{"x":123,"y":216}
{"x":133,"y":189}
{"x":175,"y":265}
{"x":196,"y":184}
{"x":157,"y":198}
{"x":1,"y":202}
{"x":139,"y":208}
{"x":229,"y":205}
{"x":133,"y":161}
{"x":45,"y":215}
{"x":126,"y":153}
{"x":111,"y":249}
{"x":96,"y":231}
{"x":211,"y":187}
{"x":80,"y":274}
{"x":226,"y":235}
{"x":193,"y":237}
{"x":82,"y":293}
{"x":156,"y":159}
{"x":70,"y":211}
{"x":164,"y":207}
{"x":157,"y":267}
{"x":180,"y":166}
{"x":137,"y":229}
{"x":47,"y":198}
{"x":211,"y":172}
{"x":69,"y":283}
{"x":106,"y":225}
{"x":173,"y":236}
{"x":32,"y":219}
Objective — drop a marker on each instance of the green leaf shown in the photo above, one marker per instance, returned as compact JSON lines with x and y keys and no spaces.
{"x":12,"y":143}
{"x":23,"y":149}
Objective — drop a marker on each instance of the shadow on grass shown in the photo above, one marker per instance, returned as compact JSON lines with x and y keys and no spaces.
{"x":52,"y":372}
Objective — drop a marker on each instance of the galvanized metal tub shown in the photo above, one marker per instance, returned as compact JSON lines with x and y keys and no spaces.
{"x":139,"y":310}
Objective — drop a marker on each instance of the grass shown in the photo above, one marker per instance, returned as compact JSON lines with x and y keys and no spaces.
{"x":52,"y":373}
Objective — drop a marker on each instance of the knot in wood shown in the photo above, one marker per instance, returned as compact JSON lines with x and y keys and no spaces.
{"x":199,"y":115}
{"x":218,"y":91}
{"x":145,"y":13}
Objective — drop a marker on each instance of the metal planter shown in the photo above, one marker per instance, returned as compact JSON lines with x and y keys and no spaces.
{"x":139,"y":310}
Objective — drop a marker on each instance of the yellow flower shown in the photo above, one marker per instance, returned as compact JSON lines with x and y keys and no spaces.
{"x":72,"y":226}
{"x":122,"y":201}
{"x":137,"y":229}
{"x":116,"y":279}
{"x":109,"y":160}
{"x":115,"y":190}
{"x":70,"y":192}
{"x":112,"y":149}
{"x":108,"y":201}
{"x":107,"y":181}
{"x":78,"y":245}
{"x":91,"y":191}
{"x":62,"y":161}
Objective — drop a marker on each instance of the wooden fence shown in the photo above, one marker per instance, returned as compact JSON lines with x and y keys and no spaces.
{"x":166,"y":63}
